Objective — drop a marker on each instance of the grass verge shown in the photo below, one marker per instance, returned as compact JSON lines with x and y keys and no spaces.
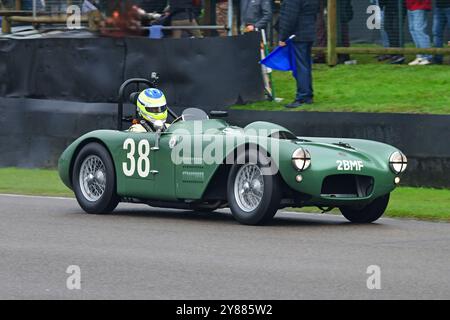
{"x":41,"y":182}
{"x":368,"y":88}
{"x":418,"y":203}
{"x":412,"y":203}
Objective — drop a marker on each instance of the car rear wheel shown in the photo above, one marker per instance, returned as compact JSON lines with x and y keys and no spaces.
{"x":253,"y":197}
{"x":94,"y":180}
{"x":367,"y":214}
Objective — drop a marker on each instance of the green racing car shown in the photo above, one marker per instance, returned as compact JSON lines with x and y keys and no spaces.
{"x":201,"y":162}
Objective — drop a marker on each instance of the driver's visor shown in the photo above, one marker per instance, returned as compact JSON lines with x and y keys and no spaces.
{"x":156,"y":109}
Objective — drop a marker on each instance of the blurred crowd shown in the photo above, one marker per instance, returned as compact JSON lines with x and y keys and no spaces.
{"x":185,"y":16}
{"x":393,"y":16}
{"x":306,"y":20}
{"x":253,"y":15}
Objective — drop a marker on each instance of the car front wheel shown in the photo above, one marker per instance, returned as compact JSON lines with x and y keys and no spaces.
{"x":367,"y":214}
{"x":253,"y":197}
{"x":94,"y":180}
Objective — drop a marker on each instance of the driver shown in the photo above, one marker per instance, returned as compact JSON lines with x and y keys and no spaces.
{"x":152,"y":109}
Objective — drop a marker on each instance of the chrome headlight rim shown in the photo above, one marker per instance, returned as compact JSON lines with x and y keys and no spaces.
{"x":398,"y":162}
{"x":301,"y":159}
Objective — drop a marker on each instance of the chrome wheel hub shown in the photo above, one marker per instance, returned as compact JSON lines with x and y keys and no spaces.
{"x":92,"y":178}
{"x":249,"y":187}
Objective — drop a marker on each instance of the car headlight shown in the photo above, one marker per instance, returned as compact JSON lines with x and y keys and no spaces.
{"x":301,"y":159}
{"x":398,"y":162}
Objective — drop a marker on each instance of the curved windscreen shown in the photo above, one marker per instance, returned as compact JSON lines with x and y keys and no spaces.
{"x":283,"y":135}
{"x":191,"y":114}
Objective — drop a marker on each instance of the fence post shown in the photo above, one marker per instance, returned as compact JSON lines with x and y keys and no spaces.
{"x":332,"y":58}
{"x":6,"y":25}
{"x":230,"y":17}
{"x":34,"y":8}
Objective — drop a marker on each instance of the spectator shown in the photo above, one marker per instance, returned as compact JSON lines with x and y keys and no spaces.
{"x":418,"y":21}
{"x":255,"y":14}
{"x":298,"y":17}
{"x":384,"y":37}
{"x":151,"y":5}
{"x":182,"y":14}
{"x":383,"y":33}
{"x":394,"y":13}
{"x":222,"y":16}
{"x":321,"y":31}
{"x":345,"y":13}
{"x":441,"y":19}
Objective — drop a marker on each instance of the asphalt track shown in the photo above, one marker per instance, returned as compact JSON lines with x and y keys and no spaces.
{"x":148,"y":253}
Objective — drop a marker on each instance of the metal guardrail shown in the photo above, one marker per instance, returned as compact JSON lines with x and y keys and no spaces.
{"x":27,"y":17}
{"x":44,"y":19}
{"x":362,"y":50}
{"x":200,"y":27}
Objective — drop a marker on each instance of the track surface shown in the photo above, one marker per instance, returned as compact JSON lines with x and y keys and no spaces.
{"x":148,"y":253}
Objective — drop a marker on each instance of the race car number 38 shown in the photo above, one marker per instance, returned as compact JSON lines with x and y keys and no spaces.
{"x":142,"y":163}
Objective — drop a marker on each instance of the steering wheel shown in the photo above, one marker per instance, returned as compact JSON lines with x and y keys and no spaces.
{"x":177,"y":119}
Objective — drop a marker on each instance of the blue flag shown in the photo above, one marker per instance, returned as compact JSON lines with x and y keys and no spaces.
{"x":282,"y":58}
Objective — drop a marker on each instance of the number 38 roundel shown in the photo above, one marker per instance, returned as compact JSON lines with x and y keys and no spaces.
{"x":142,"y":164}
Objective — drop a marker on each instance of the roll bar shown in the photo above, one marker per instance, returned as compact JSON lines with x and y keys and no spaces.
{"x":153,"y":83}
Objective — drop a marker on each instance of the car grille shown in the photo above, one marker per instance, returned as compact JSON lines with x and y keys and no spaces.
{"x":347,"y":186}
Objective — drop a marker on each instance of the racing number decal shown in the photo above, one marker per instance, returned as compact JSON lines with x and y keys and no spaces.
{"x":143,"y":162}
{"x":129,"y":143}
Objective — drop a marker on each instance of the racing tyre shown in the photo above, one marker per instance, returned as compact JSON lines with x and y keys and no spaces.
{"x":367,"y":214}
{"x":253,"y":197}
{"x":94,"y":180}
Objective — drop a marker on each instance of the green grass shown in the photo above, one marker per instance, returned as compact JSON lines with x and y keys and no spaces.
{"x":420,"y":203}
{"x":413,"y":203}
{"x":32,"y":182}
{"x":368,"y":87}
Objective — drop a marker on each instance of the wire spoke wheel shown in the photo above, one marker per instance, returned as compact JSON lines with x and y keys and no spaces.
{"x":253,"y":197}
{"x":249,"y":187}
{"x":92,"y":178}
